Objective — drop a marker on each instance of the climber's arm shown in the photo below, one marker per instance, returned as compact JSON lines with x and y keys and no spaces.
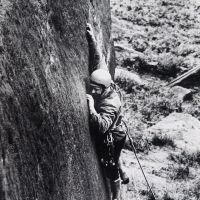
{"x":96,"y":56}
{"x":105,"y":118}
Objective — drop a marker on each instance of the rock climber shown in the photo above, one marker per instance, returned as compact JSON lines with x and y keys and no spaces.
{"x":105,"y":117}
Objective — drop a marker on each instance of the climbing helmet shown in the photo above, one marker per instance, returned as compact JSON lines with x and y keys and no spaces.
{"x":101,"y":77}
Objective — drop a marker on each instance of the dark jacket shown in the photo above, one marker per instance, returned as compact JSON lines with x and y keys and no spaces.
{"x":107,"y":108}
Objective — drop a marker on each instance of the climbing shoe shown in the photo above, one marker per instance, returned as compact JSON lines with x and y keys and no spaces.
{"x":124,"y":177}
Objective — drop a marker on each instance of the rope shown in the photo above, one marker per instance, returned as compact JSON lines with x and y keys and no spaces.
{"x":134,"y":150}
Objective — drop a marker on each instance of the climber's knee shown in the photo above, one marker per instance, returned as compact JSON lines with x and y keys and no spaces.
{"x":112,"y":172}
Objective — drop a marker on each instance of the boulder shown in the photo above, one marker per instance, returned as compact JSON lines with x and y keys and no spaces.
{"x":180,"y":93}
{"x":183,"y":129}
{"x":130,"y":78}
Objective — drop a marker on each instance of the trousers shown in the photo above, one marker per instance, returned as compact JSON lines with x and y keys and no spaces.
{"x":112,"y":171}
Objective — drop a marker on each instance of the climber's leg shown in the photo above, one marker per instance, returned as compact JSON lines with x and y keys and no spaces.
{"x":124,"y":177}
{"x":118,"y":147}
{"x":115,"y":188}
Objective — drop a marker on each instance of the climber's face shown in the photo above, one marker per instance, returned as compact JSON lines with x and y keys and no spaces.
{"x":96,"y":90}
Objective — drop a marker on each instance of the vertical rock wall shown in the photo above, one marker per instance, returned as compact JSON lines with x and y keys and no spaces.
{"x":45,"y":147}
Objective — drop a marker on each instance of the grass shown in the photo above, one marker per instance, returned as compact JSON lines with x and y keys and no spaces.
{"x":144,"y":107}
{"x":162,"y":141}
{"x":148,"y":194}
{"x":180,"y":172}
{"x":186,"y":158}
{"x":184,"y":161}
{"x":151,"y":103}
{"x":196,"y":189}
{"x":168,"y":64}
{"x":166,"y":196}
{"x":167,"y":45}
{"x":193,"y":107}
{"x":141,"y":143}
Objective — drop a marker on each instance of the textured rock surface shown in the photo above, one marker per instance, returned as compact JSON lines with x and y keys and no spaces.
{"x":45,"y":146}
{"x":182,"y":128}
{"x":181,"y":93}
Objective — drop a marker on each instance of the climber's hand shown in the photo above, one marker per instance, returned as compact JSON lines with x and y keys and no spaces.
{"x":90,"y":101}
{"x":90,"y":33}
{"x":91,"y":105}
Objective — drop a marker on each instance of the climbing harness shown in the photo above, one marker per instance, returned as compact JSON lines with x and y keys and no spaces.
{"x":108,"y":157}
{"x":134,"y":150}
{"x":108,"y":142}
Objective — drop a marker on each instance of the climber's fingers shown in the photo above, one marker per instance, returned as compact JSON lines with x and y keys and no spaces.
{"x":88,"y":26}
{"x":89,"y":31}
{"x":90,"y":101}
{"x":89,"y":97}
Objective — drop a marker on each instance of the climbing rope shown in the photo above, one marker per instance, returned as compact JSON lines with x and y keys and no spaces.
{"x":134,"y":150}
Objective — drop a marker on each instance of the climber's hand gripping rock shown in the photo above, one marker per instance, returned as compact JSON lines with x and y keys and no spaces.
{"x":90,"y":33}
{"x":91,"y":104}
{"x":90,"y":101}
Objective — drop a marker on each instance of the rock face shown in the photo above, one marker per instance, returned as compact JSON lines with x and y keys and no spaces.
{"x":46,"y":151}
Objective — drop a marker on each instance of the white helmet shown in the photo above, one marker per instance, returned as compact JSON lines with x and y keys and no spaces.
{"x":101,"y":77}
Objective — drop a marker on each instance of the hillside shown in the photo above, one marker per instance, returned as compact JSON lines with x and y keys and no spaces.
{"x":157,"y":41}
